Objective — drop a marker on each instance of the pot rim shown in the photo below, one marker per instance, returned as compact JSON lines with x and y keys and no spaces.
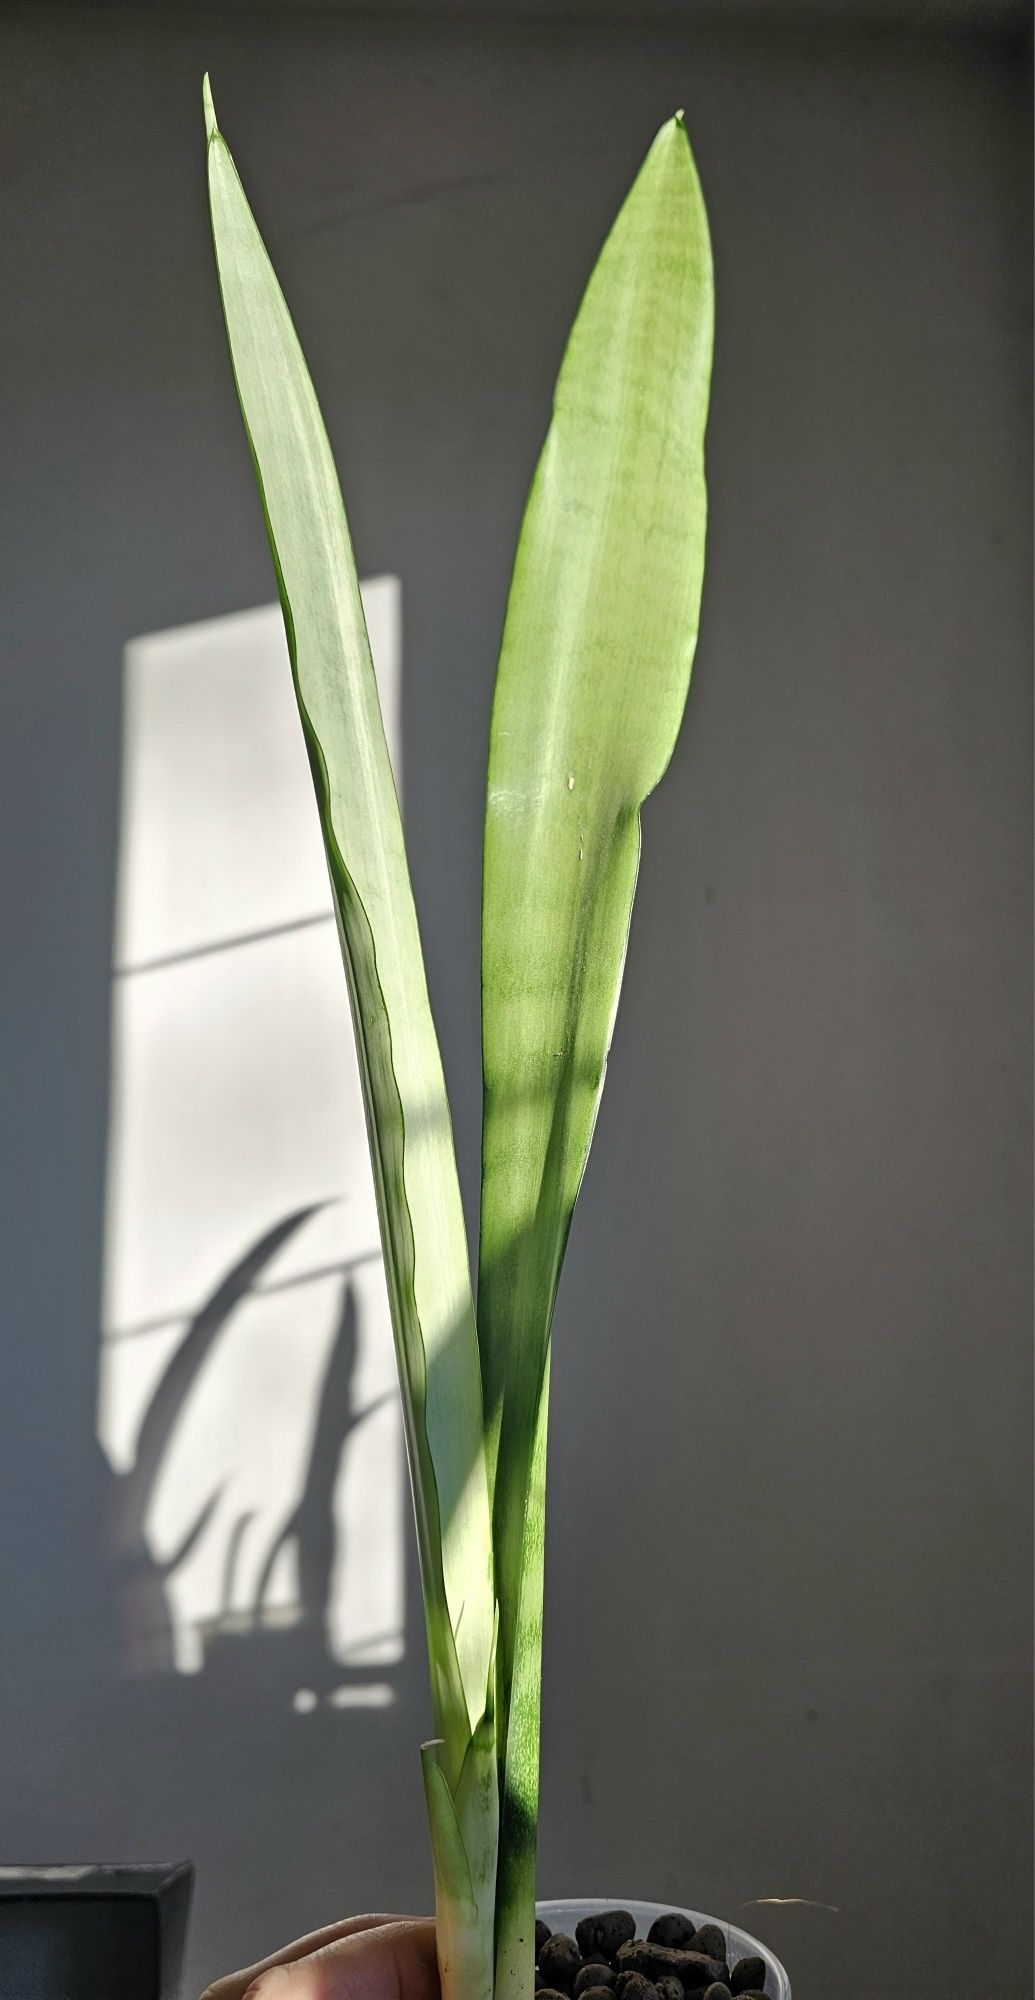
{"x":741,"y":1943}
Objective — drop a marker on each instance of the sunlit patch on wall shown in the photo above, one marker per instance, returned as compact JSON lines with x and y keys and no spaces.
{"x":247,"y":1401}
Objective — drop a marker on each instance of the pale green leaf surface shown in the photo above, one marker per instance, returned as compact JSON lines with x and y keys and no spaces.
{"x":464,"y":1954}
{"x":478,"y":1814}
{"x":515,"y":1893}
{"x":595,"y":664}
{"x":407,"y":1114}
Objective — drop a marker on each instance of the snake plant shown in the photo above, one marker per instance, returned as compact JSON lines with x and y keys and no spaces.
{"x":597,"y":648}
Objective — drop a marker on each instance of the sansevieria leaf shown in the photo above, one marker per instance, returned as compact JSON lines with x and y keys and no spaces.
{"x":593,"y":675}
{"x":422,"y":1227}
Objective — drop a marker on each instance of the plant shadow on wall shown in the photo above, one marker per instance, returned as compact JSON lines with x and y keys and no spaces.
{"x":256,"y":1507}
{"x":290,"y":1645}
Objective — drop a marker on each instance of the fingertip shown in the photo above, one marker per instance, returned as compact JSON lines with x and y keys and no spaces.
{"x":363,"y":1958}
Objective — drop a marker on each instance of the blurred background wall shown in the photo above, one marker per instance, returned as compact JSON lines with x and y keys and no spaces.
{"x":789,"y":1555}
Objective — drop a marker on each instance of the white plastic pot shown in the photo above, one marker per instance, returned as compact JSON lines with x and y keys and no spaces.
{"x":564,"y":1917}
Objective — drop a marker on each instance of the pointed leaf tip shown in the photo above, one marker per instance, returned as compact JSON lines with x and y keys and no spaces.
{"x":211,"y":128}
{"x":671,"y":144}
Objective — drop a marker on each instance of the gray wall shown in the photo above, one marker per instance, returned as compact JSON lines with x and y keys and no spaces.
{"x":789,"y":1553}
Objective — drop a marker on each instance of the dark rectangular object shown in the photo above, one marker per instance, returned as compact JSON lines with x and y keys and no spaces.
{"x":94,"y":1933}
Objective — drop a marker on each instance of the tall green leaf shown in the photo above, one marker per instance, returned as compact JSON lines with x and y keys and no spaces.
{"x":422,"y":1226}
{"x":593,"y":675}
